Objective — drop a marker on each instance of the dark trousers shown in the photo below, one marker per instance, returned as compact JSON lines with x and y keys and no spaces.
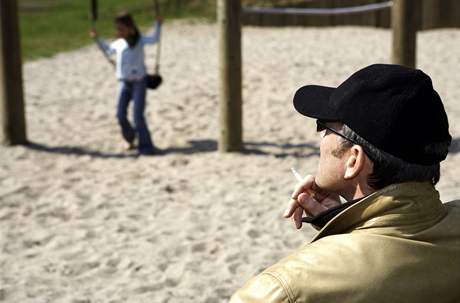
{"x":136,"y":91}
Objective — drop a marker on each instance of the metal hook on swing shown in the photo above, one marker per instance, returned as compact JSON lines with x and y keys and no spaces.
{"x":155,"y":80}
{"x":158,"y":53}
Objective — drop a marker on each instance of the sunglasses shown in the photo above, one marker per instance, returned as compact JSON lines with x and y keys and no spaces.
{"x":321,"y":126}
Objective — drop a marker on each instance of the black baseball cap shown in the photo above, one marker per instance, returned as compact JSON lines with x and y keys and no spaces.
{"x":393,"y":107}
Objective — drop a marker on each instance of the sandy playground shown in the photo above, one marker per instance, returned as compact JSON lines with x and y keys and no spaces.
{"x":83,"y":222}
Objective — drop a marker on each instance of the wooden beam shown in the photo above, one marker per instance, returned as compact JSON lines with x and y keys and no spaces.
{"x":230,"y":95}
{"x":404,"y":24}
{"x":12,"y":116}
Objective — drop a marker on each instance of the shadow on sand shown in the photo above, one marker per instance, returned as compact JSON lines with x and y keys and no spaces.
{"x":455,"y":146}
{"x":77,"y":151}
{"x":193,"y":147}
{"x":304,"y":150}
{"x":250,"y":148}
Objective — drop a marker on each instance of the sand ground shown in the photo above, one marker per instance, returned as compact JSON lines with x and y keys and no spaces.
{"x":81,"y":221}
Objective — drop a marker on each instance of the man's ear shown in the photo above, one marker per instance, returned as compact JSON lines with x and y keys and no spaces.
{"x":355,"y":162}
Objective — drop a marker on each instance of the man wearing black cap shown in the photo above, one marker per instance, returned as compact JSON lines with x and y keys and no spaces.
{"x":383,"y":132}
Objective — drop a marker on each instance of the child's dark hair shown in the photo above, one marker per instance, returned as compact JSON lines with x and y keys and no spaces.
{"x":127,"y":20}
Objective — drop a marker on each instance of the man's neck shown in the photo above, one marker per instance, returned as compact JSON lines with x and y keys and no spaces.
{"x":357,"y":192}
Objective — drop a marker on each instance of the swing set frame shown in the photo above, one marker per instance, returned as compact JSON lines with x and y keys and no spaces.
{"x":12,"y":112}
{"x":229,"y":14}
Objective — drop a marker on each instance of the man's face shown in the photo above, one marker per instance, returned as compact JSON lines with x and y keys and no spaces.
{"x":331,"y":166}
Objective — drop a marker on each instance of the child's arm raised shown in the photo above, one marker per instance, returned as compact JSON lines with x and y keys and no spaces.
{"x":155,"y":36}
{"x":104,"y":46}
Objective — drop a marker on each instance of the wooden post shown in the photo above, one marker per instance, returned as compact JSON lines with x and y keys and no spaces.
{"x":229,"y":20}
{"x":12,"y":117}
{"x":404,"y":24}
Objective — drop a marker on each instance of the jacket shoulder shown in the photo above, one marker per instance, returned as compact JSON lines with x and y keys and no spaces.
{"x":357,"y":266}
{"x":263,"y":288}
{"x":316,"y":272}
{"x":320,"y":271}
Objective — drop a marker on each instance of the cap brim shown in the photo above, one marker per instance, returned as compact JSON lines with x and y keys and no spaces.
{"x":314,"y":101}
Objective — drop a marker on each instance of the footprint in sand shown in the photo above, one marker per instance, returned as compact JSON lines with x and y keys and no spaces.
{"x":6,"y":214}
{"x":37,"y":239}
{"x":199,"y":247}
{"x":253,"y":234}
{"x":78,"y":268}
{"x":232,"y":268}
{"x":171,"y":282}
{"x":162,"y":266}
{"x":148,"y":288}
{"x":211,"y":299}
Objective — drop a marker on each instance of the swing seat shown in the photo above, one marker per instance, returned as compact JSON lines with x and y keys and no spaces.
{"x":153,"y":81}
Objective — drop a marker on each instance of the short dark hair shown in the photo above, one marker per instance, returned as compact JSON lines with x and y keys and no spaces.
{"x":388,"y":169}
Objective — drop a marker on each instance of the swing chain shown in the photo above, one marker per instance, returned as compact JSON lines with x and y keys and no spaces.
{"x":158,"y":53}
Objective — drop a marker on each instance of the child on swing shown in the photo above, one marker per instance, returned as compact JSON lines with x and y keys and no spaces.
{"x":131,"y":73}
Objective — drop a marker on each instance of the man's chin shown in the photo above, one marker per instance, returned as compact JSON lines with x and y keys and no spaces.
{"x":324,"y":185}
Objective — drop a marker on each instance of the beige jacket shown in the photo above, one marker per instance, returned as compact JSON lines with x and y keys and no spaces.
{"x":400,"y":244}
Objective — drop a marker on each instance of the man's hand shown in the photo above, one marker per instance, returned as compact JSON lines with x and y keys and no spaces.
{"x":309,"y":198}
{"x":159,"y":19}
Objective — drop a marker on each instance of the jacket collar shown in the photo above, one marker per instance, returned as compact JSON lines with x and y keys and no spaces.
{"x":404,"y":208}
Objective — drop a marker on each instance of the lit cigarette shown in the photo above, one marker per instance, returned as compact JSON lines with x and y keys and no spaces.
{"x":296,"y":174}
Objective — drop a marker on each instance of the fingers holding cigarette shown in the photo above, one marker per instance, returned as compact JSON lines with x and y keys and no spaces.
{"x":302,"y":186}
{"x":305,"y":198}
{"x":310,"y":204}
